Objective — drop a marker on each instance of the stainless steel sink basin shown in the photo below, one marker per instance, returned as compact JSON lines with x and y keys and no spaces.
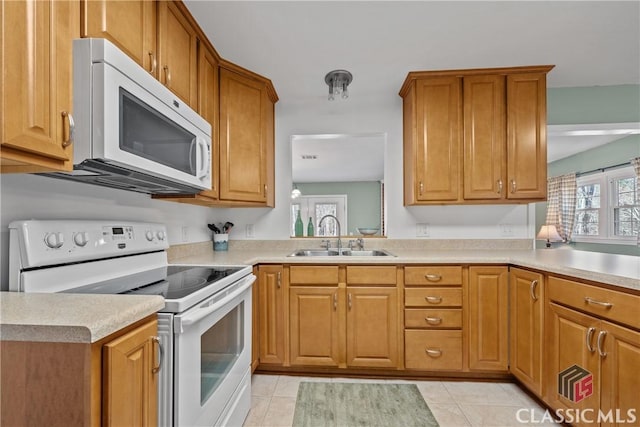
{"x":334,"y":252}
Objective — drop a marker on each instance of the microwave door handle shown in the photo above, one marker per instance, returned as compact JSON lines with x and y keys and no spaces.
{"x":203,"y":312}
{"x":204,"y":156}
{"x":191,"y":147}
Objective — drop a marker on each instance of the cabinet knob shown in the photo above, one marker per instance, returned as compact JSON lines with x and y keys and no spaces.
{"x":71,"y":126}
{"x":532,"y":290}
{"x":433,"y":352}
{"x":154,"y":63}
{"x":601,"y":336}
{"x":433,"y":300}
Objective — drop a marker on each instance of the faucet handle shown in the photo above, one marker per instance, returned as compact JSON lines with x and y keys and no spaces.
{"x":325,"y":243}
{"x":351,"y":243}
{"x":360,"y":243}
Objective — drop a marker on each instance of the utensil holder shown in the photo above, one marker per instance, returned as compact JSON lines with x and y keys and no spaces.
{"x":220,"y":242}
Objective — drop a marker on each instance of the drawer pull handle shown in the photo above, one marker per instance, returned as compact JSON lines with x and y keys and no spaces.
{"x":601,"y":336}
{"x":433,"y":300}
{"x":589,"y":300}
{"x":433,"y":277}
{"x":156,"y":340}
{"x":433,"y":320}
{"x":589,"y":338}
{"x":433,"y":353}
{"x":532,"y":290}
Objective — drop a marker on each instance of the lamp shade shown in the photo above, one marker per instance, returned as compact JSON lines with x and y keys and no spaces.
{"x":549,"y":233}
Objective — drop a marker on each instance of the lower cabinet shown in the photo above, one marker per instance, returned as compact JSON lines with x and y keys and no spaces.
{"x":526,"y":319}
{"x":592,"y":365}
{"x":353,"y":323}
{"x":112,"y":382}
{"x":129,"y":381}
{"x":271,"y":313}
{"x":487,"y":326}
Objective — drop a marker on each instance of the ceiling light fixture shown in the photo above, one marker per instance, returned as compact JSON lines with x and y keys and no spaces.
{"x":338,"y":82}
{"x":295,"y":193}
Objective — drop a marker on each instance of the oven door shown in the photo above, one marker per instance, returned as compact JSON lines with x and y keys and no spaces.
{"x":212,"y":354}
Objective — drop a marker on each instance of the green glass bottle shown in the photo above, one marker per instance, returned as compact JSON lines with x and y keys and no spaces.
{"x":299,"y":225}
{"x":310,"y":232}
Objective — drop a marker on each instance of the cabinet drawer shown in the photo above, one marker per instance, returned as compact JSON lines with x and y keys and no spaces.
{"x":313,"y":275}
{"x":371,"y":275}
{"x":433,"y":297}
{"x":433,"y":350}
{"x":605,"y":303}
{"x":433,"y":319}
{"x":438,"y":275}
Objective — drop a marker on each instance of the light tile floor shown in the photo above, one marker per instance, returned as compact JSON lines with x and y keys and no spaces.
{"x":454,"y":403}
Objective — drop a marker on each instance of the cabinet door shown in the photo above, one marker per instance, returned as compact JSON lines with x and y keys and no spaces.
{"x":372,"y":327}
{"x":36,"y":80}
{"x":243,"y":138}
{"x":484,"y":137}
{"x":208,"y":106}
{"x":527,"y":136}
{"x":271,"y":297}
{"x":178,"y":52}
{"x":488,"y":318}
{"x":526,"y":320}
{"x":573,"y":375}
{"x":315,"y":326}
{"x":130,"y":25}
{"x":129,"y":385}
{"x":438,"y":139}
{"x":620,"y":370}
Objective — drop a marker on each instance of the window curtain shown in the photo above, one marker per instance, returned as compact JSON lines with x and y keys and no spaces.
{"x":636,"y":165}
{"x":561,"y":204}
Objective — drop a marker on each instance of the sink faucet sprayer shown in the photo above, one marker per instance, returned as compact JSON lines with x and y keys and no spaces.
{"x":338,"y":225}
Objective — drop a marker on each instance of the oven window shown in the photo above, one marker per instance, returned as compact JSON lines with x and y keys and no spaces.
{"x":220,"y":347}
{"x":147,"y":133}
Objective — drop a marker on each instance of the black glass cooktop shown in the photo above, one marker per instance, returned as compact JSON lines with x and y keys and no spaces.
{"x":185,"y":280}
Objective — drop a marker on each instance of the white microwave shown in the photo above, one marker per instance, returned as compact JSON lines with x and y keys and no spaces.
{"x":130,"y":131}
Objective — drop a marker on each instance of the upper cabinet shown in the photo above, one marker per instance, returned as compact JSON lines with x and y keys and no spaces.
{"x":130,"y":25}
{"x":178,"y":51}
{"x":36,"y":119}
{"x":246,"y":137}
{"x":475,"y":136}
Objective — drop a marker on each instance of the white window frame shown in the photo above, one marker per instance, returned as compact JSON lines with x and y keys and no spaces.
{"x":606,"y":216}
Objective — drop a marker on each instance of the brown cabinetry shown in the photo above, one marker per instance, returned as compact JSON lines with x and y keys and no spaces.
{"x":178,"y":52}
{"x":271,"y":296}
{"x":130,"y":378}
{"x":37,"y":84}
{"x":526,"y":315}
{"x":475,"y":136}
{"x":112,"y":382}
{"x":130,"y":25}
{"x":487,"y":327}
{"x":433,"y":306}
{"x":344,"y":316}
{"x":605,"y":355}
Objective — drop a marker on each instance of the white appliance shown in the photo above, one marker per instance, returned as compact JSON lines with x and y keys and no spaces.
{"x":204,"y":328}
{"x":131,"y":132}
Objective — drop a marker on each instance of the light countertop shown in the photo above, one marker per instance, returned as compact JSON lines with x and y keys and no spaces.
{"x":618,"y":270}
{"x":72,"y":318}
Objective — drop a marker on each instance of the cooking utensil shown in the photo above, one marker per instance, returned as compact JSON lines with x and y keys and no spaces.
{"x":227,"y":227}
{"x":213,"y":228}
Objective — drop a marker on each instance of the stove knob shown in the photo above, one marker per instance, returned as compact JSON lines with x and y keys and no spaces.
{"x":81,"y":238}
{"x":149,"y":235}
{"x":54,"y":240}
{"x":160,"y":235}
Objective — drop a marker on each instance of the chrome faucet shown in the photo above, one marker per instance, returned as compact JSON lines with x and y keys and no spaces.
{"x":338,"y":225}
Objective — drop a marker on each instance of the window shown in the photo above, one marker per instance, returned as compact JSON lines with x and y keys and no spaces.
{"x":316,"y":207}
{"x":608,"y":207}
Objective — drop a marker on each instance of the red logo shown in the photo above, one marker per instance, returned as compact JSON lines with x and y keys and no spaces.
{"x":575,"y":383}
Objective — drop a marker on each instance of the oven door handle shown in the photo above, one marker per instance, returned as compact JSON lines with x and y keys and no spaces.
{"x":202,"y":312}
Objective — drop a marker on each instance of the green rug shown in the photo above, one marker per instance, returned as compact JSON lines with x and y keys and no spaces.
{"x":362,"y":404}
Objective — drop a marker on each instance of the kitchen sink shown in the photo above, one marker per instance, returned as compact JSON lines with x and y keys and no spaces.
{"x":334,"y":252}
